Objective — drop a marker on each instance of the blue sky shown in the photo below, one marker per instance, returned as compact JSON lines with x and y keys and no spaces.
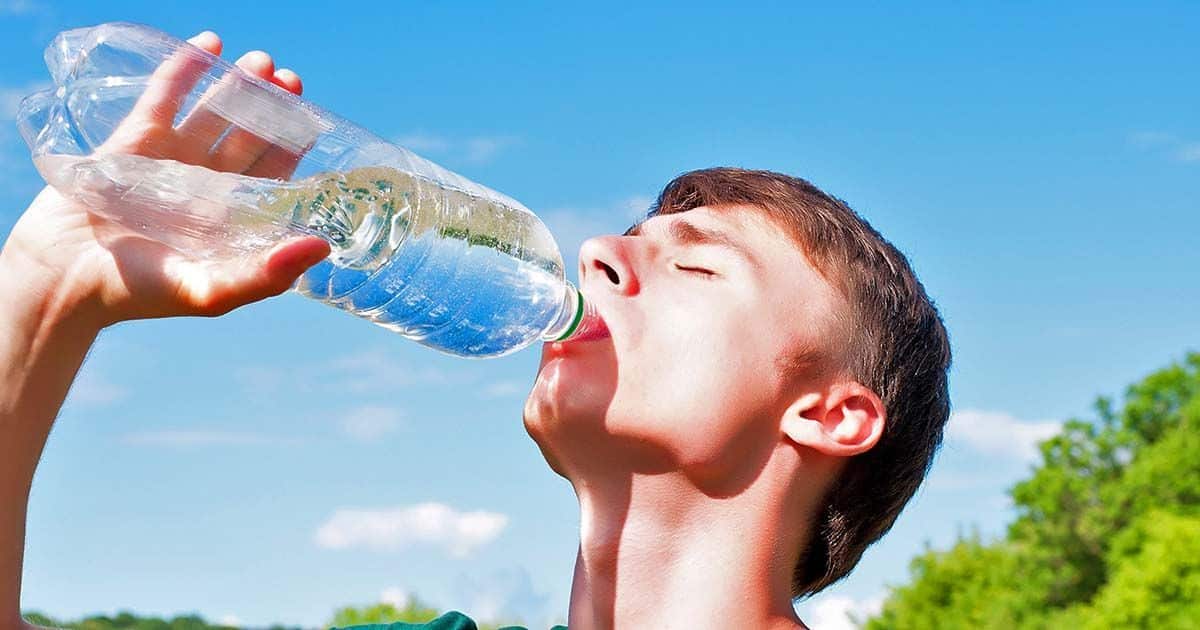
{"x":1038,"y":165}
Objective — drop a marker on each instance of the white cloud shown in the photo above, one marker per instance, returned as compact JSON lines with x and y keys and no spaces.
{"x":11,"y":96}
{"x":423,"y":142}
{"x":1150,"y":139}
{"x":395,"y":596}
{"x":199,"y":438}
{"x":505,"y":596}
{"x":260,"y":379}
{"x":368,"y":423}
{"x":368,"y":361}
{"x":838,"y":612}
{"x":572,"y":226}
{"x":952,"y":480}
{"x":471,"y":149}
{"x":1159,"y":142}
{"x":383,"y":369}
{"x":505,"y":389}
{"x":19,"y":7}
{"x":483,"y":148}
{"x":999,"y":433}
{"x":16,"y":169}
{"x":92,"y":389}
{"x":636,"y":206}
{"x":1188,"y":152}
{"x":394,"y":529}
{"x":363,"y":372}
{"x":230,"y":620}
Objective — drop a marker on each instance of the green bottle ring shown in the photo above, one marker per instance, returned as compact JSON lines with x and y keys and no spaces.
{"x":578,"y":317}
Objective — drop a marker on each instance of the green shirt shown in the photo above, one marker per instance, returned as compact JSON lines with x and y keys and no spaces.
{"x":450,"y":621}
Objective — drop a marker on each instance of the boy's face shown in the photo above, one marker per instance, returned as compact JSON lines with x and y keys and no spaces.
{"x":706,"y":311}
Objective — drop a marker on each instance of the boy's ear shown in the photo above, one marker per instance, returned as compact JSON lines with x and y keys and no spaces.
{"x":844,"y":420}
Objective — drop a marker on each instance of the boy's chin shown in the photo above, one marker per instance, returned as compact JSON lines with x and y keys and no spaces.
{"x":558,"y":397}
{"x":575,"y":382}
{"x":569,"y":397}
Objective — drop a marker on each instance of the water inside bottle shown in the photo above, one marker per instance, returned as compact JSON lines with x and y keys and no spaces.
{"x":465,"y":274}
{"x":473,"y":277}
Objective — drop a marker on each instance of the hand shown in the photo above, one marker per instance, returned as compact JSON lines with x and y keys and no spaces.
{"x":70,"y":255}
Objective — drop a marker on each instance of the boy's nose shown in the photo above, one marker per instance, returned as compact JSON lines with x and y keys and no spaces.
{"x":604,"y":265}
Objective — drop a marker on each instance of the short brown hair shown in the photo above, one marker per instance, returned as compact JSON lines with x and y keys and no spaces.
{"x":900,"y":350}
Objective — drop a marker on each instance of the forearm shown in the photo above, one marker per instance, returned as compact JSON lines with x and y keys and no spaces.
{"x":45,"y":334}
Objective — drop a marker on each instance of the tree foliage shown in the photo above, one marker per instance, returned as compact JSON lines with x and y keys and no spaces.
{"x":1107,"y":533}
{"x":414,"y":611}
{"x":127,"y":621}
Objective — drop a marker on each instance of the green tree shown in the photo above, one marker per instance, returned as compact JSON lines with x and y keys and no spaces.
{"x":1110,"y":498}
{"x":1156,"y":578}
{"x":414,"y":611}
{"x":39,"y":619}
{"x":126,"y":621}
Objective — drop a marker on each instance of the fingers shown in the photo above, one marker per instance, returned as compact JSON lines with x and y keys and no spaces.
{"x":289,"y":81}
{"x":290,"y":259}
{"x":203,"y":126}
{"x":205,"y":137}
{"x":240,"y":149}
{"x":207,"y":41}
{"x":175,"y":78}
{"x":276,"y":161}
{"x":282,"y":266}
{"x":216,"y":292}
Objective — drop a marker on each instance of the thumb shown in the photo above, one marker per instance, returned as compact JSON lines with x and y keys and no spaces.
{"x":286,"y":261}
{"x":266,"y":276}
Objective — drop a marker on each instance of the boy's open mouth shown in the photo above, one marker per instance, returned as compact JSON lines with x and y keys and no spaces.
{"x":591,"y":328}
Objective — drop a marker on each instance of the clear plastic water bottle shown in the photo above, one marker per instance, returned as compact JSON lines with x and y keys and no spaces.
{"x":415,"y":248}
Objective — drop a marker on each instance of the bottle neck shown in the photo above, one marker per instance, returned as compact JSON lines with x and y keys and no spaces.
{"x":569,"y":315}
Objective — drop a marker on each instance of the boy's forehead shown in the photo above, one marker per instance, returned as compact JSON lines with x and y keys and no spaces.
{"x":750,"y":225}
{"x":770,"y":239}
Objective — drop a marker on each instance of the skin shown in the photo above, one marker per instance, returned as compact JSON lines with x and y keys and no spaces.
{"x":697,"y":453}
{"x":697,"y":449}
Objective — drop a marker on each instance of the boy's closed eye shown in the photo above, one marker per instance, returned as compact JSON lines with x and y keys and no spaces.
{"x":695,"y":269}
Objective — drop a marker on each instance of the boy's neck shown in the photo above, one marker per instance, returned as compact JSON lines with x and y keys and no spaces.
{"x":656,"y":553}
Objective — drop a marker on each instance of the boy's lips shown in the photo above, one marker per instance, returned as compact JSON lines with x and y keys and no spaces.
{"x":591,"y":328}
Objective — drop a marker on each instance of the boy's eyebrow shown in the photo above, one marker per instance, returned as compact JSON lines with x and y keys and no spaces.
{"x":687,"y":233}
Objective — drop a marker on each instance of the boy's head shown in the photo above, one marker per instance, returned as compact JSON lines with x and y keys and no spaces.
{"x":754,"y":320}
